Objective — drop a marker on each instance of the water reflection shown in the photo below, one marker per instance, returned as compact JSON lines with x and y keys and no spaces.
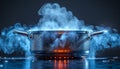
{"x":27,"y":64}
{"x":58,"y":64}
{"x":61,"y":64}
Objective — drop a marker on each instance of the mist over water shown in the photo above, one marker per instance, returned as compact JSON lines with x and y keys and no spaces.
{"x":55,"y":17}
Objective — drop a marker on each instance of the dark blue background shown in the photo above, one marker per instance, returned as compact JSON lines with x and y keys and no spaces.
{"x":95,"y":12}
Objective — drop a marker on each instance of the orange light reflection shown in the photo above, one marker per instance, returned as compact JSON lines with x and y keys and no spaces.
{"x":61,"y":64}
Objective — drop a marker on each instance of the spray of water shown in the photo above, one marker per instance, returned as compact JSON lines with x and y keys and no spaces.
{"x":55,"y":17}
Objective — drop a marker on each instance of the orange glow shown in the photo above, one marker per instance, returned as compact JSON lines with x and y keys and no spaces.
{"x":61,"y":51}
{"x":60,"y":32}
{"x":64,"y":57}
{"x":55,"y":50}
{"x":55,"y":64}
{"x":61,"y":64}
{"x":65,"y":50}
{"x":59,"y":57}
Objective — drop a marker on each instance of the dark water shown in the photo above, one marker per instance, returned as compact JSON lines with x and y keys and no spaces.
{"x":59,"y":64}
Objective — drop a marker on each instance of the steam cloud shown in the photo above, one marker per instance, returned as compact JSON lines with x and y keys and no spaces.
{"x":55,"y":17}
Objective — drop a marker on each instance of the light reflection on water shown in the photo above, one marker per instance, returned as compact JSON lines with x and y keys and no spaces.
{"x":58,"y":64}
{"x":61,"y":64}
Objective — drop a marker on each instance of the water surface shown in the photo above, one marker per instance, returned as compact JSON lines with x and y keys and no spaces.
{"x":59,"y":64}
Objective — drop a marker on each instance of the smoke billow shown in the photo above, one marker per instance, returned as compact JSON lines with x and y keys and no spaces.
{"x":10,"y":42}
{"x":55,"y":17}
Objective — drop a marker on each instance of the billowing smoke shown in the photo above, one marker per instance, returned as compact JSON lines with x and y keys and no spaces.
{"x":55,"y":17}
{"x":10,"y":42}
{"x":108,"y":40}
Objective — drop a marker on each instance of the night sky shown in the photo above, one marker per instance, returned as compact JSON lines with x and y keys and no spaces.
{"x":93,"y":12}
